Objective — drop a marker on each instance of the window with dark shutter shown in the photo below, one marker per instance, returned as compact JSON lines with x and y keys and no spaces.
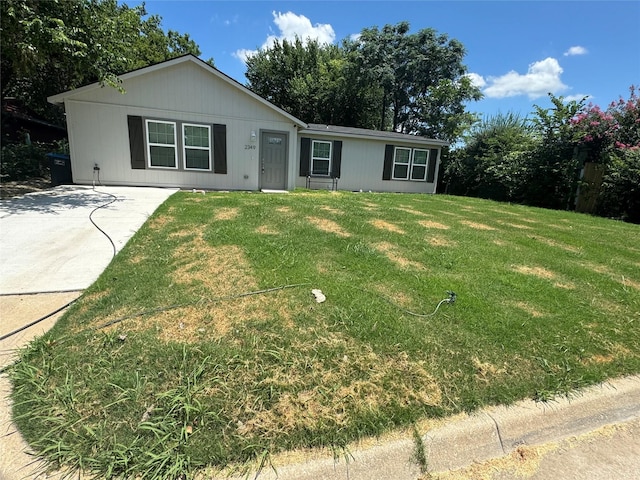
{"x":388,"y":162}
{"x":336,"y":159}
{"x":433,"y":160}
{"x":219,"y":149}
{"x":305,"y":156}
{"x":136,"y":141}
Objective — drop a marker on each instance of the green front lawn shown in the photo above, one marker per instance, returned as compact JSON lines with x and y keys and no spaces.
{"x":191,"y":373}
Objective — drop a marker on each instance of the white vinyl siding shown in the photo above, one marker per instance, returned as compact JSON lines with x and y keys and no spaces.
{"x":196,"y":141}
{"x":320,"y":158}
{"x":161,"y":144}
{"x":184,"y":93}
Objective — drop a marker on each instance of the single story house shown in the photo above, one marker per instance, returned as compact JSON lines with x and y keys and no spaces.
{"x":183,"y":123}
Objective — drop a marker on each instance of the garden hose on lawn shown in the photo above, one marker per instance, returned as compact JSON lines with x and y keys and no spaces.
{"x":450,"y":300}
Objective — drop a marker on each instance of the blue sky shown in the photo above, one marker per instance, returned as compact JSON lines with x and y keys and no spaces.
{"x":517,"y":51}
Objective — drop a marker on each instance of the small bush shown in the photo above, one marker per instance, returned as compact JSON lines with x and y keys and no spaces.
{"x":620,"y":192}
{"x":20,"y":161}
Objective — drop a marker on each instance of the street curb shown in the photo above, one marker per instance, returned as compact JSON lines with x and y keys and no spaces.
{"x":490,"y":433}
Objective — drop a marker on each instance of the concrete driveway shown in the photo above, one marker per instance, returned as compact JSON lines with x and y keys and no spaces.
{"x":49,"y":244}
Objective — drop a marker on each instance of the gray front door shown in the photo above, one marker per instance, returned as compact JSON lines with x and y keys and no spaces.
{"x":273,"y":160}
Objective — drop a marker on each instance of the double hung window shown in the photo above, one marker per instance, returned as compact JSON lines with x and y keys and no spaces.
{"x":162,"y":144}
{"x":419,"y":164}
{"x":401,"y":162}
{"x":196,"y":141}
{"x":410,"y":164}
{"x":320,"y":158}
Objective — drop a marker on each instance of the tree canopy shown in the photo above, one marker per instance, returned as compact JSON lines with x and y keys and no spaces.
{"x":387,"y":79}
{"x":56,"y":45}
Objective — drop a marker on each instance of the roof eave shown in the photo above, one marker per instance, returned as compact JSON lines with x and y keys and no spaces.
{"x":409,"y":139}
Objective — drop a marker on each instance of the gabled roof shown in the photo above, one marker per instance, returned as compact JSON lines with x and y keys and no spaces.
{"x":61,"y":97}
{"x":334,"y":130}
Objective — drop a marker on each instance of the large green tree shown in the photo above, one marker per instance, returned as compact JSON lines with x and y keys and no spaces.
{"x":55,"y":45}
{"x":385,"y":79}
{"x":315,"y":82}
{"x":423,"y":82}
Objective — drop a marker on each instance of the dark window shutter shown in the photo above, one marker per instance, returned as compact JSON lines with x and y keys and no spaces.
{"x":433,"y":160}
{"x":388,"y":162}
{"x":136,"y":141}
{"x":336,"y":159}
{"x":219,"y":148}
{"x":305,"y":156}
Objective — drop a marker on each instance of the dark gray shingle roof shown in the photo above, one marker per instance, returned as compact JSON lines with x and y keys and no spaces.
{"x":363,"y":132}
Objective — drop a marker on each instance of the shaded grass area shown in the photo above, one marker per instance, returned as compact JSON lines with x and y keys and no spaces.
{"x":547,"y":302}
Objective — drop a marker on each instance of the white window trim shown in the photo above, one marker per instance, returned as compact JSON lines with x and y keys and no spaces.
{"x":185,"y":147}
{"x":395,"y":162}
{"x":150,"y":144}
{"x":426,"y":165}
{"x":320,"y":158}
{"x":410,"y":164}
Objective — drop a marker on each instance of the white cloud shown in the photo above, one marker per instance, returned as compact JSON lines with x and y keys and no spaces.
{"x":291,"y":26}
{"x":577,"y":97}
{"x":477,"y":80}
{"x":541,"y":78}
{"x":244,"y":53}
{"x":577,"y":50}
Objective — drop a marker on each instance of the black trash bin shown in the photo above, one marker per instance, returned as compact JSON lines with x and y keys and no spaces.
{"x":60,"y":166}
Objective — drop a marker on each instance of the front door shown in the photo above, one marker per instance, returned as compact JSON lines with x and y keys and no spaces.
{"x":273,"y":160}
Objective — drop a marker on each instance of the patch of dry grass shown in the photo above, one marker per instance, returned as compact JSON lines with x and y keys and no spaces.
{"x":398,"y":297}
{"x":391,"y":251}
{"x":267,"y":230}
{"x":388,"y":226}
{"x":328,"y":226}
{"x":476,"y":225}
{"x":515,"y":225}
{"x":225,"y":213}
{"x":440,"y":241}
{"x":486,"y":371}
{"x":324,"y":392}
{"x":214,"y":320}
{"x":555,"y":243}
{"x":544,"y":273}
{"x":535,"y":312}
{"x":612,"y":274}
{"x":331,"y":210}
{"x":159,"y":222}
{"x":432,"y":224}
{"x":412,"y":211}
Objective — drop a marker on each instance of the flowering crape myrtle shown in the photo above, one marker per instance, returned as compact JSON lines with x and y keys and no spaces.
{"x":616,"y":128}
